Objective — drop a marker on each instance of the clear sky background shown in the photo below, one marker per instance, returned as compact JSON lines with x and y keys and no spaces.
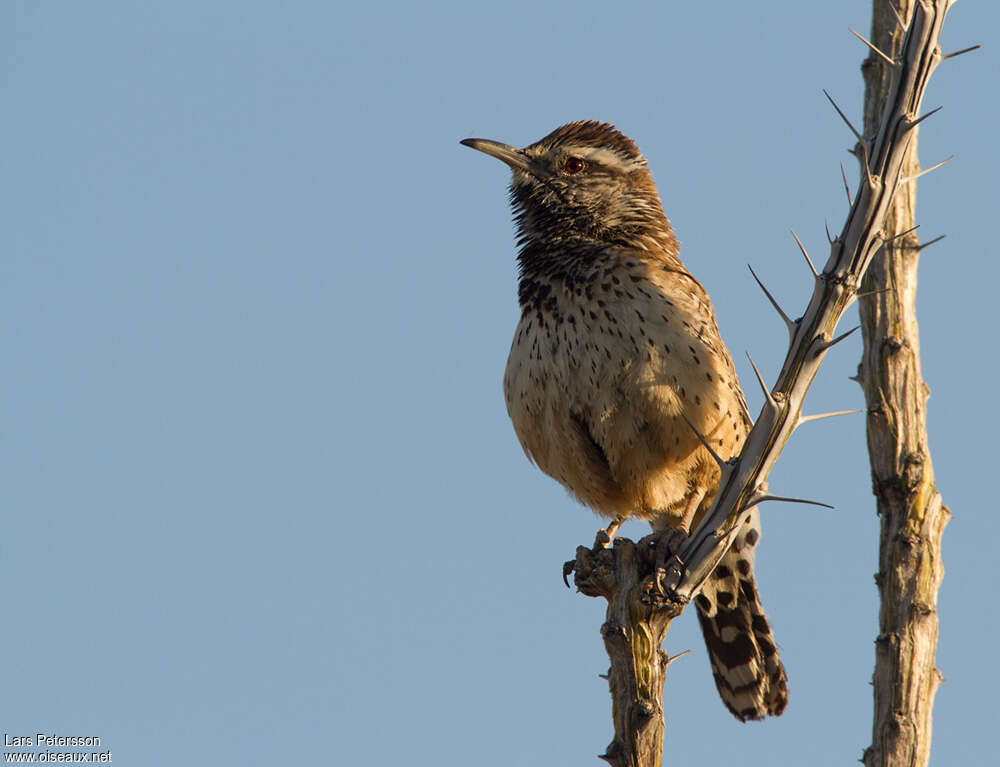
{"x":261,"y":500}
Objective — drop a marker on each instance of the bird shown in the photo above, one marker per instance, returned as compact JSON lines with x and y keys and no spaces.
{"x":616,"y":356}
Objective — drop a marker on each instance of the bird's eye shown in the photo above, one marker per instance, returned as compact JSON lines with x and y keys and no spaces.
{"x":573,"y":165}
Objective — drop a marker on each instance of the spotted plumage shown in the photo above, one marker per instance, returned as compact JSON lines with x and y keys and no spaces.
{"x":617,"y":349}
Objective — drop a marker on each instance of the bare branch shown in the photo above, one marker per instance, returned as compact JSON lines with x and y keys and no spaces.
{"x":646,"y":587}
{"x":851,"y":253}
{"x":911,"y":522}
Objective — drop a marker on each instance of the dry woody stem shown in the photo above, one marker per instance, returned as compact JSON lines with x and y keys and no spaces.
{"x":911,"y":513}
{"x":636,"y":623}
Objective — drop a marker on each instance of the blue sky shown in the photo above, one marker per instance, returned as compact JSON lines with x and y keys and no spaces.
{"x":262,"y":502}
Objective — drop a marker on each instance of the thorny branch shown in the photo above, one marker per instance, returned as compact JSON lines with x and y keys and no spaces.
{"x":647,"y":585}
{"x":882,"y":175}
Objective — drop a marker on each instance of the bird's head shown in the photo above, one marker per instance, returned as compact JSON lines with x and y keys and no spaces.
{"x":584,"y":181}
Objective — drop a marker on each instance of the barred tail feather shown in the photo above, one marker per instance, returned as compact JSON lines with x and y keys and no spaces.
{"x":744,"y":656}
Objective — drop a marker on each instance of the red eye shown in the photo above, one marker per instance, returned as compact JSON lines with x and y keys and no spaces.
{"x":573,"y":165}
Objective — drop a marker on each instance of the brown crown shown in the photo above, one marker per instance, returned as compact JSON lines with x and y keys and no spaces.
{"x":592,"y":133}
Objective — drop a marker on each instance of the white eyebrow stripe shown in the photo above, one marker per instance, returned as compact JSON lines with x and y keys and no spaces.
{"x":609,"y":158}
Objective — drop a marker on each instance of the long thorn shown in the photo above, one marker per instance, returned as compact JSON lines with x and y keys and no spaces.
{"x":872,"y":292}
{"x":930,"y":242}
{"x":897,"y":185}
{"x":823,"y":346}
{"x":873,"y":47}
{"x":675,"y":657}
{"x":895,"y":12}
{"x":844,"y":117}
{"x":760,"y":379}
{"x":915,"y":123}
{"x":807,"y":418}
{"x":847,"y":188}
{"x":902,"y":234}
{"x":792,"y":326}
{"x":925,"y":171}
{"x":959,"y":53}
{"x":708,"y":447}
{"x":867,"y":166}
{"x":761,"y":498}
{"x":862,"y":158}
{"x":803,"y":249}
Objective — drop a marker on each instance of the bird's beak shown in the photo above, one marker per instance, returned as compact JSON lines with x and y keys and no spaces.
{"x":514,"y":157}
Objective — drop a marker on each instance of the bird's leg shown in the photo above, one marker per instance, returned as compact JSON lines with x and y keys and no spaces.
{"x":691,"y":509}
{"x":672,"y":534}
{"x":607,"y":534}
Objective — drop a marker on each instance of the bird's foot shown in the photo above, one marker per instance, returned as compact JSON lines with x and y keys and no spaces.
{"x":667,"y":543}
{"x":600,"y":551}
{"x":607,"y":534}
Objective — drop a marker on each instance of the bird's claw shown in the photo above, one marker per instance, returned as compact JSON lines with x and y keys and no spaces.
{"x":667,"y":544}
{"x":658,"y":577}
{"x":568,"y":568}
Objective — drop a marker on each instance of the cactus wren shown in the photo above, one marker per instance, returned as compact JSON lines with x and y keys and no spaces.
{"x":617,"y":344}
